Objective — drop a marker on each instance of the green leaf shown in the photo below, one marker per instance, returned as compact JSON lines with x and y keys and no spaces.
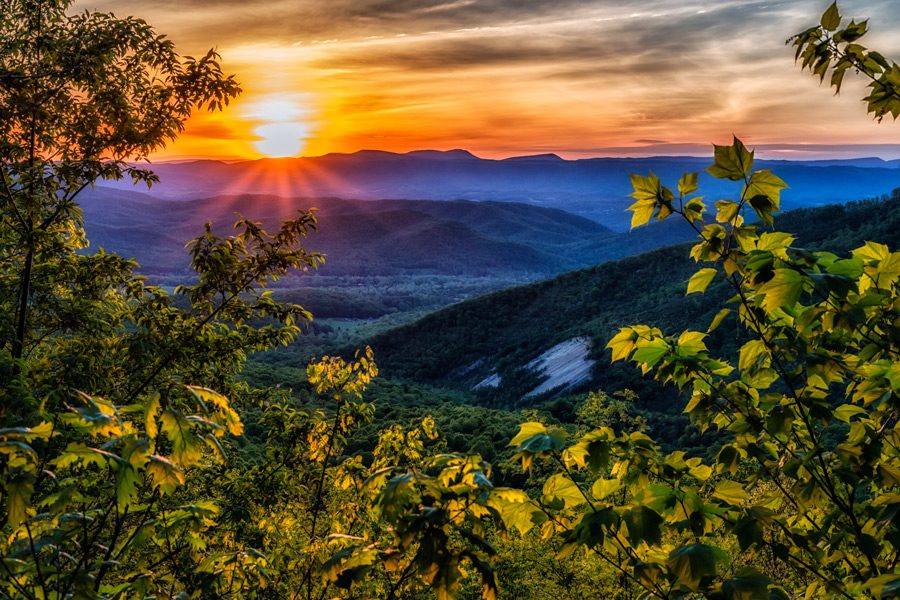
{"x":730,"y":492}
{"x":732,"y":162}
{"x":700,"y":281}
{"x":717,"y":320}
{"x":126,"y":484}
{"x":884,"y":586}
{"x":164,"y":473}
{"x":560,"y":487}
{"x":604,"y":487}
{"x":590,"y":530}
{"x":592,"y":450}
{"x":749,"y":529}
{"x":348,"y":566}
{"x":845,"y":412}
{"x":81,"y":454}
{"x":728,"y":458}
{"x":782,"y":291}
{"x":690,"y":564}
{"x":831,"y":18}
{"x":748,"y":584}
{"x":644,"y":525}
{"x":649,"y":352}
{"x":848,"y":267}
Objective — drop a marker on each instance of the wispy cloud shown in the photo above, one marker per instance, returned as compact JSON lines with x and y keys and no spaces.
{"x":511,"y":76}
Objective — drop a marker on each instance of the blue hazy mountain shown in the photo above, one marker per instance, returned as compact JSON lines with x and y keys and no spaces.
{"x":381,"y":237}
{"x":595,"y":188}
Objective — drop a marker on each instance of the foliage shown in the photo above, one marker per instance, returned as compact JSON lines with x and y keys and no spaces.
{"x":106,"y":392}
{"x":136,"y":462}
{"x":806,"y":479}
{"x":833,"y":47}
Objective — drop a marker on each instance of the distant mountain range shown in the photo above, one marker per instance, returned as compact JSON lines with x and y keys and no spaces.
{"x":595,"y":188}
{"x":387,"y":237}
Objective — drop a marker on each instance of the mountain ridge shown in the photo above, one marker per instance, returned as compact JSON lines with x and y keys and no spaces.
{"x":370,"y":237}
{"x":594,"y":188}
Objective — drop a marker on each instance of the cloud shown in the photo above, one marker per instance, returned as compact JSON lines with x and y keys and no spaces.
{"x":215,"y":130}
{"x":512,"y":76}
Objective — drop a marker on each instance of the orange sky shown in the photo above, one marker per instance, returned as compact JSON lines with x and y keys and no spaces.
{"x":505,"y":77}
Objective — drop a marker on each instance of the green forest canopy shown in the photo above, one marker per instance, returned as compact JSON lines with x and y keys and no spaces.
{"x":137,"y":463}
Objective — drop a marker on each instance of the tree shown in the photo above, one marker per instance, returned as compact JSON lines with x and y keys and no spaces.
{"x":82,"y":98}
{"x":106,"y":406}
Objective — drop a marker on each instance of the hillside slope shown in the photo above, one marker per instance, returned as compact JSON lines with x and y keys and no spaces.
{"x":498,"y":334}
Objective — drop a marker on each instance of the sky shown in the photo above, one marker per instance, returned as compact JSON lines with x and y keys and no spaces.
{"x":500,"y":78}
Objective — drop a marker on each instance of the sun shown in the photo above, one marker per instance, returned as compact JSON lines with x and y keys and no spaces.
{"x":283,"y":125}
{"x":278,"y":140}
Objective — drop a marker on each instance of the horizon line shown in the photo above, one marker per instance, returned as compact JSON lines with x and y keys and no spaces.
{"x":776,"y":151}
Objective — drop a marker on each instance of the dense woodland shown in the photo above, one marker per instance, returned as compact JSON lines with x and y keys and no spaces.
{"x":150,"y":447}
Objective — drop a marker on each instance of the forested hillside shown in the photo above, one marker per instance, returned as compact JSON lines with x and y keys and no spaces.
{"x":460,"y":345}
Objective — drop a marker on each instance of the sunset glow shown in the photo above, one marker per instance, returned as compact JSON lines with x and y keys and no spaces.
{"x":283,"y":130}
{"x":502,"y":77}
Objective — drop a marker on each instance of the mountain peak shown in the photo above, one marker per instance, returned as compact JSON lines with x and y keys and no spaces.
{"x":443,"y":154}
{"x":549,"y":157}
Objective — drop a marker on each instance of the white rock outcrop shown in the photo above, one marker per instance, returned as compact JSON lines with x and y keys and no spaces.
{"x":565,"y":365}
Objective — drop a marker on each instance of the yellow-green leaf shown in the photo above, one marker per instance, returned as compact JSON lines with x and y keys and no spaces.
{"x":604,"y":487}
{"x":727,"y":210}
{"x":731,"y":162}
{"x":730,"y":492}
{"x":845,"y":412}
{"x":642,"y":211}
{"x":687,"y":184}
{"x":700,"y":281}
{"x":831,"y":18}
{"x":782,"y":291}
{"x":19,"y":487}
{"x":561,"y":487}
{"x":152,"y":409}
{"x":186,"y":447}
{"x":717,"y":320}
{"x":622,"y":343}
{"x":164,"y":473}
{"x":527,"y":430}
